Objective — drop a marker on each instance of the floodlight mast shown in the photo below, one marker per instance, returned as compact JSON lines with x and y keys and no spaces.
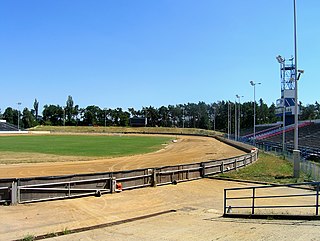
{"x":296,"y":152}
{"x":239,"y":115}
{"x":254,"y":109}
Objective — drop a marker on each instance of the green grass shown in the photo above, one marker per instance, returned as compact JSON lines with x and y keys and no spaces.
{"x":82,"y":145}
{"x":268,"y":168}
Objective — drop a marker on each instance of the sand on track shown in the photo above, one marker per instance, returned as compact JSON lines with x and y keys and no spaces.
{"x":187,"y":149}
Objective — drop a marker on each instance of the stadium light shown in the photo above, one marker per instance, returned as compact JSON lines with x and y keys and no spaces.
{"x":280,"y":59}
{"x":296,"y":152}
{"x":254,"y":109}
{"x":239,"y":115}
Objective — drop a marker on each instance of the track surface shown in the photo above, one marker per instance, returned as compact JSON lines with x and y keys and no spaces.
{"x":187,"y":149}
{"x":199,"y":206}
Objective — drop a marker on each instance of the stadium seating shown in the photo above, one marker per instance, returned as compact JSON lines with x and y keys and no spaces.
{"x":4,"y":126}
{"x":309,"y":133}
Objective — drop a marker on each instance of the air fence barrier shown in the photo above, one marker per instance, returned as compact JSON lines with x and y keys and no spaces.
{"x":36,"y":189}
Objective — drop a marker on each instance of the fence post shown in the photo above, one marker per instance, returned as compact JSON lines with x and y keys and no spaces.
{"x":317,"y":200}
{"x":235,"y":164}
{"x":14,"y":193}
{"x":222,"y":167}
{"x":154,"y":178}
{"x":253,"y":199}
{"x":69,"y":192}
{"x":203,"y":169}
{"x":224,"y":201}
{"x":113,"y":183}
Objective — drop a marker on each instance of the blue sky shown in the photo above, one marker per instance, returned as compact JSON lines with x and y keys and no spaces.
{"x":134,"y":53}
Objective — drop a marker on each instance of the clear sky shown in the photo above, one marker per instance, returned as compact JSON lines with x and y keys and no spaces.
{"x":134,"y":53}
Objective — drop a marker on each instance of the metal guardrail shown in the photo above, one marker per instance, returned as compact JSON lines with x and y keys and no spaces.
{"x":248,"y":201}
{"x":26,"y":190}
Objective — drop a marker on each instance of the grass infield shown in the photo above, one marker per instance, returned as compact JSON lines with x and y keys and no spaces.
{"x":83,"y":145}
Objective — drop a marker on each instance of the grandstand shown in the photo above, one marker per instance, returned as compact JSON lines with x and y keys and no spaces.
{"x":309,"y":133}
{"x":7,"y":127}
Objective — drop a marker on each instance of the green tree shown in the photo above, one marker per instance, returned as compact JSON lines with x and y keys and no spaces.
{"x":9,"y":115}
{"x":28,"y":120}
{"x":70,"y":111}
{"x":91,"y":115}
{"x":53,"y":115}
{"x":36,"y":108}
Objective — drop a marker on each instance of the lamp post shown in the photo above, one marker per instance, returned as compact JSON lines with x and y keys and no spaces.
{"x":235,"y":120}
{"x":229,"y":119}
{"x":254,"y":109}
{"x":19,"y":103}
{"x":214,"y":118}
{"x":105,"y":117}
{"x":239,"y":115}
{"x":296,"y":152}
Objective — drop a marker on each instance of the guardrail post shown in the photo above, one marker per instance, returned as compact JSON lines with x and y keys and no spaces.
{"x":113,"y":184}
{"x":222,"y":167}
{"x":154,"y":178}
{"x":203,"y":169}
{"x":317,"y":200}
{"x":14,"y":193}
{"x":235,"y":164}
{"x":69,"y":191}
{"x":253,"y":199}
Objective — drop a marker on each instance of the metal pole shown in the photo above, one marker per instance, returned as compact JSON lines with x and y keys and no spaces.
{"x":229,"y":120}
{"x":254,"y":114}
{"x":235,"y":121}
{"x":105,"y":118}
{"x":214,"y":119}
{"x":284,"y":126}
{"x":239,"y":117}
{"x":296,"y":152}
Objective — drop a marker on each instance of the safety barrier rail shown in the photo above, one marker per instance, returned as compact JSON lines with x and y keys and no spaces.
{"x":25,"y":190}
{"x":288,"y":198}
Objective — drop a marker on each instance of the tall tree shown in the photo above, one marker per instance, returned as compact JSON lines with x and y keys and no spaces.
{"x":69,"y":110}
{"x":9,"y":115}
{"x":53,"y":115}
{"x":36,"y":108}
{"x":28,"y":119}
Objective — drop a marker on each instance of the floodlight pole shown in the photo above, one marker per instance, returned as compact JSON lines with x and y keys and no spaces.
{"x":214,"y":118}
{"x":239,"y":116}
{"x":296,"y":152}
{"x":235,"y":120}
{"x":229,"y":117}
{"x":254,"y":110}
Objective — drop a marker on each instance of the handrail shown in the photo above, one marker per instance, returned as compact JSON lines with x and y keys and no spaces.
{"x":312,"y":188}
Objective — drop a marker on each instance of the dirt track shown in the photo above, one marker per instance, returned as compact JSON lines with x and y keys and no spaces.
{"x":198,"y":204}
{"x":187,"y":149}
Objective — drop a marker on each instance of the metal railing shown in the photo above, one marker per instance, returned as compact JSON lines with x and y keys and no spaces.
{"x":25,"y":190}
{"x":290,"y":199}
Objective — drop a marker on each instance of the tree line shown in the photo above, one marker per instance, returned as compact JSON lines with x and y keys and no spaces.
{"x":190,"y":115}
